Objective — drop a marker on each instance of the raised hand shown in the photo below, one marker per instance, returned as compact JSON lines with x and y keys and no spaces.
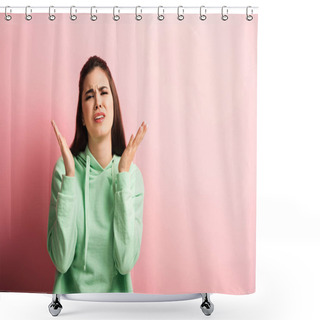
{"x":65,"y":152}
{"x":130,"y":151}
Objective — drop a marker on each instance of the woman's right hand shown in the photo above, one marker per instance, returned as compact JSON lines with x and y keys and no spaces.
{"x":65,"y":152}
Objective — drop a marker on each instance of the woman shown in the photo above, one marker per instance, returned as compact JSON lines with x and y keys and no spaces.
{"x":96,"y":205}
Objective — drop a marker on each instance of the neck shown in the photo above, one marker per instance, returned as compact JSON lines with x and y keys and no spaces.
{"x":101,"y":150}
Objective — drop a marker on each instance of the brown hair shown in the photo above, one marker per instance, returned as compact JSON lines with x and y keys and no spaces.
{"x":117,"y":133}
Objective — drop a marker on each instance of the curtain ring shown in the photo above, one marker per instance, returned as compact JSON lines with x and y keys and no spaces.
{"x":203,"y":16}
{"x":51,"y":16}
{"x":180,"y":16}
{"x":116,"y":17}
{"x":28,"y":16}
{"x":160,"y":17}
{"x":93,"y":16}
{"x":249,"y":17}
{"x":224,"y":17}
{"x":7,"y":16}
{"x":138,"y":17}
{"x":73,"y":16}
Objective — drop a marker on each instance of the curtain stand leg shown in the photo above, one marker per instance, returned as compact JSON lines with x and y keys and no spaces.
{"x":55,"y":306}
{"x":206,"y":305}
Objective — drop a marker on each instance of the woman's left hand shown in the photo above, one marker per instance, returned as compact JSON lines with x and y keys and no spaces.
{"x":130,"y":150}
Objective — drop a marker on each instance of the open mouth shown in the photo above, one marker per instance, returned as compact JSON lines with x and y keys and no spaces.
{"x":99,"y":119}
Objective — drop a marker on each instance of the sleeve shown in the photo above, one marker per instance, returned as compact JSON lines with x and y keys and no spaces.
{"x":62,"y":229}
{"x":127,"y":222}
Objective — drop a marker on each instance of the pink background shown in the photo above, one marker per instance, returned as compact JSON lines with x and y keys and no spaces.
{"x":194,"y":83}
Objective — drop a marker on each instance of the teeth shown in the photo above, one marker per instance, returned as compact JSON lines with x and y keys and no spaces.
{"x":99,"y":117}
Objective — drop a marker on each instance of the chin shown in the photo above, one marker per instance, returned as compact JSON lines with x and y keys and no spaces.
{"x":102,"y":133}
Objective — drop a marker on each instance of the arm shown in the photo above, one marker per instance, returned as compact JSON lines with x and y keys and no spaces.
{"x":127,"y":222}
{"x":62,"y":228}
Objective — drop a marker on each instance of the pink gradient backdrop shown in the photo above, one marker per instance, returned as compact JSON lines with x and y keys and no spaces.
{"x":194,"y":83}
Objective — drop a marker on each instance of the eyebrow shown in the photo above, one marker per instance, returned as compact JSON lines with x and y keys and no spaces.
{"x":91,"y":90}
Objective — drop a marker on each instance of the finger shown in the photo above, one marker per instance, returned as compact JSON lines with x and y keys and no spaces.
{"x":140,"y":135}
{"x":59,"y":141}
{"x":137,"y":140}
{"x":144,"y":129}
{"x":55,"y":127}
{"x":64,"y":142}
{"x":144,"y":132}
{"x":56,"y":130}
{"x":56,"y":133}
{"x":130,"y":141}
{"x":61,"y":138}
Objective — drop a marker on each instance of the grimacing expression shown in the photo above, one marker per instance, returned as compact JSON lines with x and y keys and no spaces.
{"x":97,"y":97}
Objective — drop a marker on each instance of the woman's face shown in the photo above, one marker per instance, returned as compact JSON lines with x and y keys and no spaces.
{"x":96,"y":98}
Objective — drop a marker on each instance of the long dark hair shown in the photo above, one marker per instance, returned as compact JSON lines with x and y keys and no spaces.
{"x":117,"y":133}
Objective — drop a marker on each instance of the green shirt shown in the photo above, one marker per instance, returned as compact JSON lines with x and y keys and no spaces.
{"x":95,"y":225}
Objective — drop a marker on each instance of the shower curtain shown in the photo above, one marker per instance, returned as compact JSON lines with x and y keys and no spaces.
{"x":194,"y":83}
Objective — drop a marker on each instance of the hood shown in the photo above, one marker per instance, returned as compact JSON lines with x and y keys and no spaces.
{"x":93,"y":168}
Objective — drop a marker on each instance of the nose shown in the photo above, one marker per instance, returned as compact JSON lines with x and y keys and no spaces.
{"x":98,"y":102}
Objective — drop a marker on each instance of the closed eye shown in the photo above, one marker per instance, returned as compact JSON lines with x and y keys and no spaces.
{"x":88,"y":97}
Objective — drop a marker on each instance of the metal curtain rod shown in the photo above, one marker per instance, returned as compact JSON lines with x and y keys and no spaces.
{"x":124,"y":9}
{"x":68,"y":7}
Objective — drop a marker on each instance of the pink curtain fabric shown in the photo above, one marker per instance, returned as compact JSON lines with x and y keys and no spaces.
{"x":195,"y":83}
